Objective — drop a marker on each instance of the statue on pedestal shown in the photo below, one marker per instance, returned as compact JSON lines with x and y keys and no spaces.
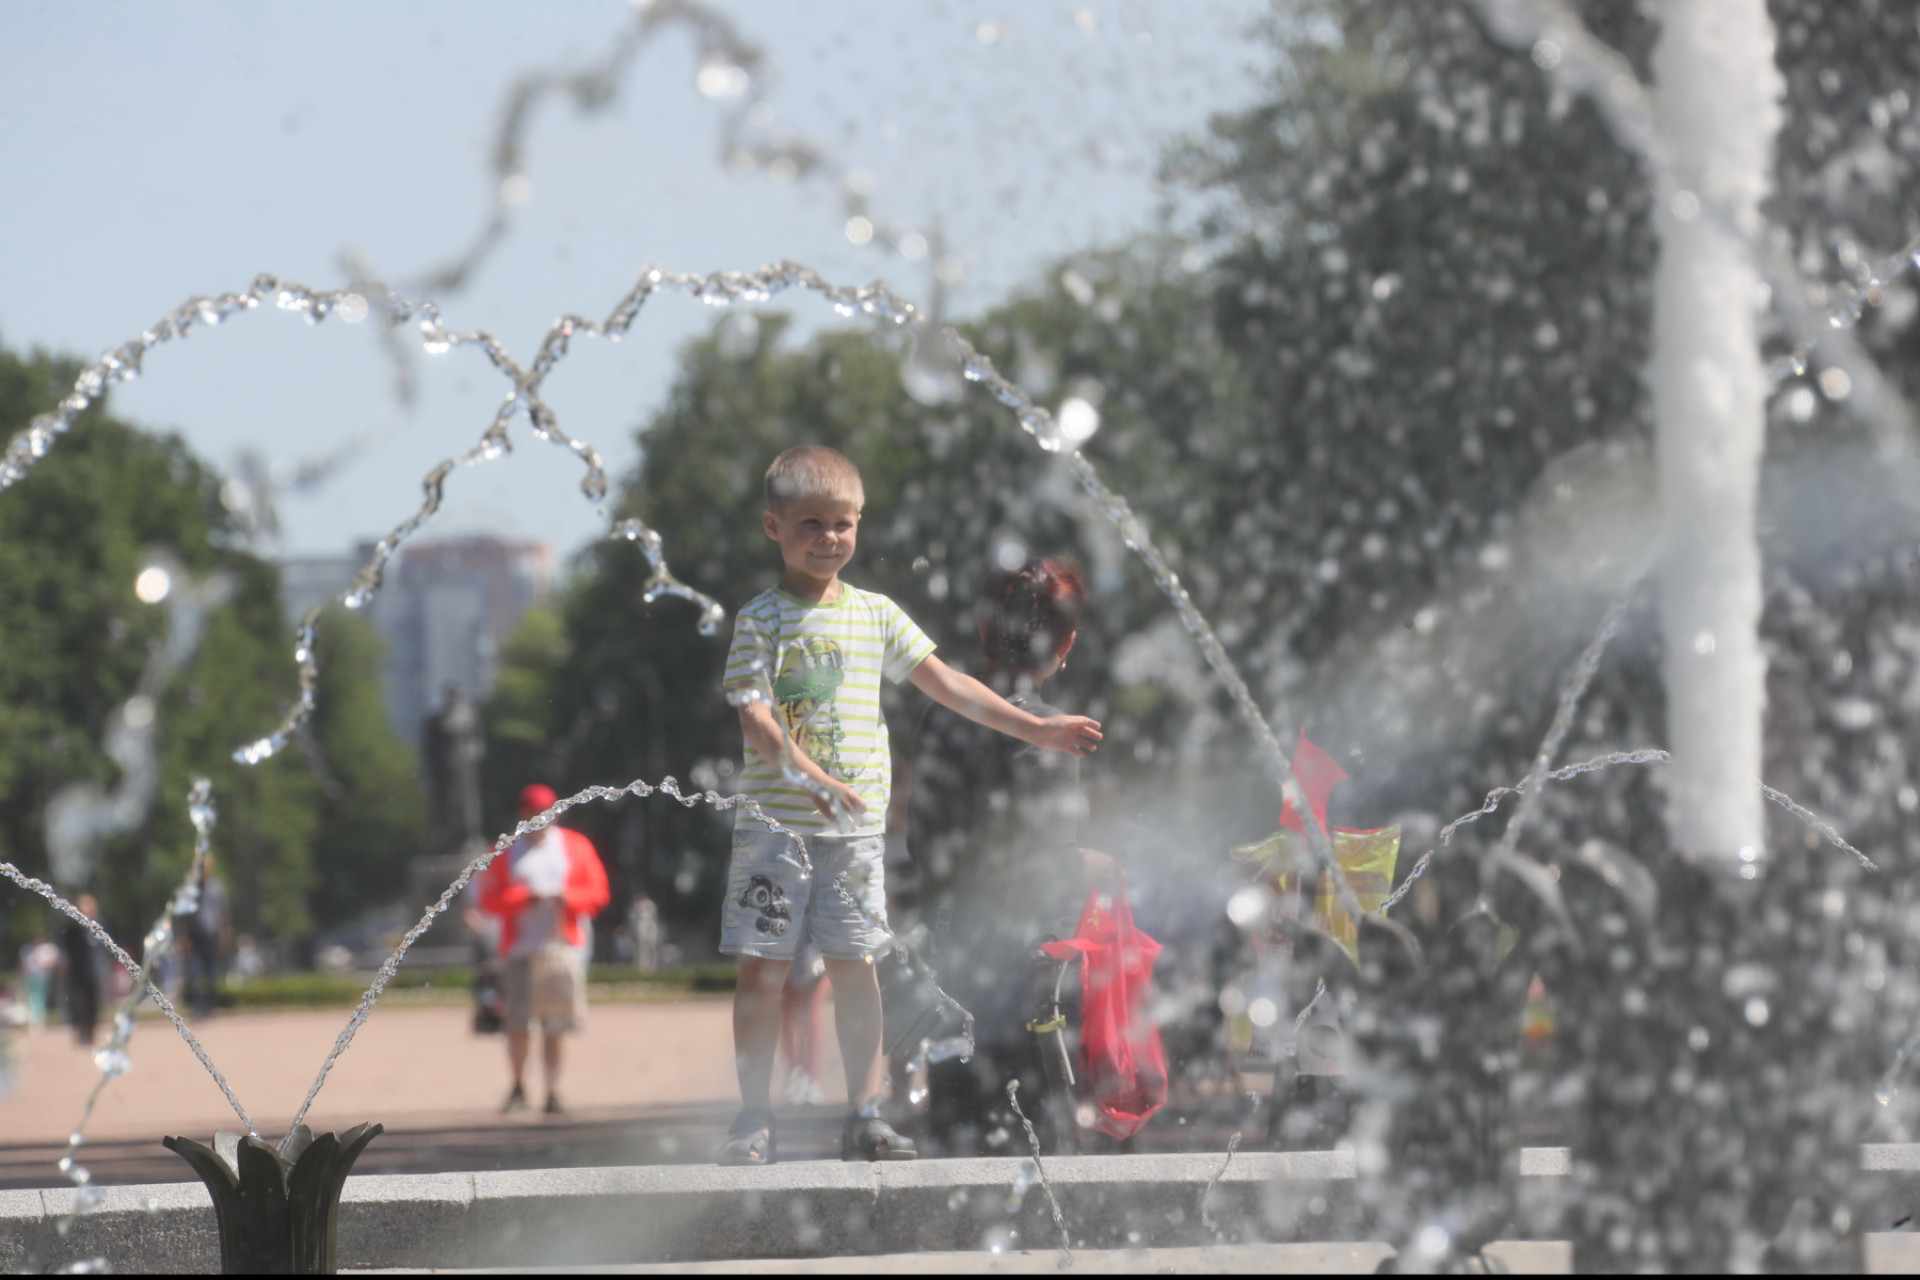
{"x":451,"y":747}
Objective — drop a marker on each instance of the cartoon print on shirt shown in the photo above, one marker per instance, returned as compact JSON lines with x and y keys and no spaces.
{"x":811,"y":672}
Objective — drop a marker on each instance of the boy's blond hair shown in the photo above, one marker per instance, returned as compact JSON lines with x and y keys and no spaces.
{"x":813,"y":471}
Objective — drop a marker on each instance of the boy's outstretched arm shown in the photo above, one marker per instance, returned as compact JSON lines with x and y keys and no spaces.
{"x":957,"y":691}
{"x":762,"y":733}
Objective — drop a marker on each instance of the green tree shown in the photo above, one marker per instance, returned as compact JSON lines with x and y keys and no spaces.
{"x":73,"y":638}
{"x":371,"y":816}
{"x":1435,"y":276}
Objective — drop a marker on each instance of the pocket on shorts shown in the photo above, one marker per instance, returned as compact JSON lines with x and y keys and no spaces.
{"x":848,"y":867}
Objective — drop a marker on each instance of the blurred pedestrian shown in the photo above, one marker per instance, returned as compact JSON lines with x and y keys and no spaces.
{"x":209,"y":930}
{"x":543,"y":889}
{"x":248,"y":961}
{"x":85,"y":963}
{"x":39,"y":962}
{"x":646,"y":934}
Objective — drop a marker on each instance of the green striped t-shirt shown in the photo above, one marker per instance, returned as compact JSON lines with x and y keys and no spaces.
{"x":825,"y":662}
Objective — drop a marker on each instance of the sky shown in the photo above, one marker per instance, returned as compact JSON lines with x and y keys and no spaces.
{"x":157,"y":152}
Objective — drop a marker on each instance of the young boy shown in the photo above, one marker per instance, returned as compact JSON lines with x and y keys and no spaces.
{"x":825,"y":645}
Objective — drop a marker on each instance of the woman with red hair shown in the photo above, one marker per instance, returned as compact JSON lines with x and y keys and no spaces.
{"x":994,"y":829}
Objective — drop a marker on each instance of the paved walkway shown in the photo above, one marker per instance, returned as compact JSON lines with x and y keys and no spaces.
{"x":407,"y":1067}
{"x":644,"y":1083}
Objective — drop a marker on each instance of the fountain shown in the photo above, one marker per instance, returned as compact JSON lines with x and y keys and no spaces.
{"x":277,"y":1207}
{"x":1700,"y":992}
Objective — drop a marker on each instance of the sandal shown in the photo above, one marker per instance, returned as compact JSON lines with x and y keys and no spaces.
{"x":868,"y":1137}
{"x":749,"y":1139}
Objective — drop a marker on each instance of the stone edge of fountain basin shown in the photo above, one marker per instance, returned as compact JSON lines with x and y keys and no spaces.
{"x":664,"y":1213}
{"x":813,"y":1208}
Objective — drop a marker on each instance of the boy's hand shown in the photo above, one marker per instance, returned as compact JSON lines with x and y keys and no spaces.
{"x":1075,"y":735}
{"x":855,"y":806}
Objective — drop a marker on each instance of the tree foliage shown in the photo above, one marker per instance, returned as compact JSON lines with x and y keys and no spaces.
{"x":74,"y":535}
{"x":371,"y":814}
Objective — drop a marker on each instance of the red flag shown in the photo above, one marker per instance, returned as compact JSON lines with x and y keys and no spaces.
{"x":1121,"y":1059}
{"x":1319,"y":774}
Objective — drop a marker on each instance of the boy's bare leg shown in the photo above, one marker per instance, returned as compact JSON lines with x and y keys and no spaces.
{"x":756,"y":1027}
{"x":856,"y":1016}
{"x":550,"y":1051}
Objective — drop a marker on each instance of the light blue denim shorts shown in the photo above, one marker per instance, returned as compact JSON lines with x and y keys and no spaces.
{"x":772,"y":901}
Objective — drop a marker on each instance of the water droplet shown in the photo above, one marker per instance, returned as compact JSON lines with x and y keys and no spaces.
{"x":1022,"y":1183}
{"x":1248,"y":906}
{"x":722,"y":80}
{"x":1078,"y":420}
{"x":153,"y":584}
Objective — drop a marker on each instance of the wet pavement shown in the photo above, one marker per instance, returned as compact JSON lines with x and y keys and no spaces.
{"x":643,"y":1084}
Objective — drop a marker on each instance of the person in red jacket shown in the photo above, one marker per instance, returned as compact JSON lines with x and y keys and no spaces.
{"x":541,"y":888}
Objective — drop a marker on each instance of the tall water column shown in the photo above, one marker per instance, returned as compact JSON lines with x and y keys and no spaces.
{"x":1718,"y":93}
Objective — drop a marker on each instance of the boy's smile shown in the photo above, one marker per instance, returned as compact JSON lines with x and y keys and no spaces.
{"x":816,"y":537}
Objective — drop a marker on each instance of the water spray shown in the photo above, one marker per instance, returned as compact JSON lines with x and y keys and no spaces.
{"x":141,"y":984}
{"x":725,"y":288}
{"x":1040,"y":1170}
{"x":1581,"y":64}
{"x":1233,"y":1140}
{"x":639,"y":787}
{"x":1642,"y":755}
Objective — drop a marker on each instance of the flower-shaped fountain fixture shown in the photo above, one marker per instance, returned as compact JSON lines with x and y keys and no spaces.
{"x":278,"y":1208}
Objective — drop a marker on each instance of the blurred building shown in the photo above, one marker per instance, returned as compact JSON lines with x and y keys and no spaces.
{"x":446,"y":608}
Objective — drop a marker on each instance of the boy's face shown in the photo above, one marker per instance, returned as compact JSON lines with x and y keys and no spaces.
{"x":816,"y":536}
